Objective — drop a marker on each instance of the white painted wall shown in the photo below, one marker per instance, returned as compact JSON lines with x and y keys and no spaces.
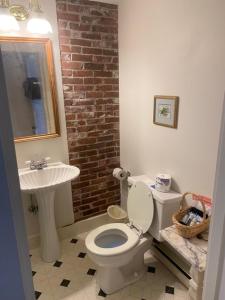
{"x":55,"y":148}
{"x":175,"y":48}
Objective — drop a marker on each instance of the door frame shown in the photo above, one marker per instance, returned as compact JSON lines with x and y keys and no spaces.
{"x":16,"y":276}
{"x":216,"y":247}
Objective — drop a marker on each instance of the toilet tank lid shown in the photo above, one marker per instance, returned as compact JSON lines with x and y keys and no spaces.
{"x":163,"y":198}
{"x":143,"y":178}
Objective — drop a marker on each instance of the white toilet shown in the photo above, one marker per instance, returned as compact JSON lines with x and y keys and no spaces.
{"x":118,"y":249}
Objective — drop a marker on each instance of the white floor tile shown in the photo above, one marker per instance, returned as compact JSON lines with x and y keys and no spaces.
{"x":48,"y":278}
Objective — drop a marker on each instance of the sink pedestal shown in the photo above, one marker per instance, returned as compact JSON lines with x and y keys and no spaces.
{"x":50,"y":249}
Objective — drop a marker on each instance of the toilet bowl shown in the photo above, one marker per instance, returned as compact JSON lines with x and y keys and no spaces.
{"x":114,"y":244}
{"x":118,"y":249}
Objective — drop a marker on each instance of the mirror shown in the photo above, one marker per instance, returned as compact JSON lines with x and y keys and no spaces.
{"x":30,"y":82}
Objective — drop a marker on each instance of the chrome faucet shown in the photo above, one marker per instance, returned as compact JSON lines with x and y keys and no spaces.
{"x":38,"y":164}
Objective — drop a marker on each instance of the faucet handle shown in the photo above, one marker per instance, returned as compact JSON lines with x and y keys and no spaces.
{"x":30,"y":163}
{"x":44,"y":162}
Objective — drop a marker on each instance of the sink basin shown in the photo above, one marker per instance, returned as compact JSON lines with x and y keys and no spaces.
{"x":32,"y":181}
{"x":43,"y":184}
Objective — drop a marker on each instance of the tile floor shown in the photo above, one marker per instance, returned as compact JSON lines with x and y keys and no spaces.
{"x":73,"y":277}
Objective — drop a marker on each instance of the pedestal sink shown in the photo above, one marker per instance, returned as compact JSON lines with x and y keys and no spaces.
{"x":43,"y":184}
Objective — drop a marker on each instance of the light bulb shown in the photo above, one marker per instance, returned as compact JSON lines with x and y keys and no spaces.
{"x":39,"y":25}
{"x":8,"y":23}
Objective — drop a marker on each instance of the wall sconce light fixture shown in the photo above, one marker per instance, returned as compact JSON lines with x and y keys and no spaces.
{"x":10,"y":15}
{"x":8,"y":22}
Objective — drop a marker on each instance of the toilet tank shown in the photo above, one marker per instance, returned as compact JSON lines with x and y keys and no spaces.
{"x":165,"y":205}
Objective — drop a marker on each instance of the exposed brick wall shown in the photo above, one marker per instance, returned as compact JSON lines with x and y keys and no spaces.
{"x":88,"y":33}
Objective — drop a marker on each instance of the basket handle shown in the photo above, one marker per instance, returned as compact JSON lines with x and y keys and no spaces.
{"x":196,"y":198}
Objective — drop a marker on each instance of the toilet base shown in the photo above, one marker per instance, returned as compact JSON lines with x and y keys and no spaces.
{"x":112,"y":279}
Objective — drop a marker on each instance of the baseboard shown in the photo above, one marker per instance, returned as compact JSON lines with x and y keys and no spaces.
{"x":73,"y":229}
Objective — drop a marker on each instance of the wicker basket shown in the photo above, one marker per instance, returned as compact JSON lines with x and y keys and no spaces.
{"x":189,"y":231}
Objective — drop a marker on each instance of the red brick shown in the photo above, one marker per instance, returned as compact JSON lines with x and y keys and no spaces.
{"x":94,"y":94}
{"x":61,"y":6}
{"x":65,"y":48}
{"x":92,"y":66}
{"x":112,"y":67}
{"x":81,"y":42}
{"x":73,"y":80}
{"x":103,"y":74}
{"x":91,"y":36}
{"x":83,"y":73}
{"x":111,"y":94}
{"x":68,"y":17}
{"x":67,"y":73}
{"x":80,"y":57}
{"x":105,"y":29}
{"x":83,"y":87}
{"x":110,"y":52}
{"x":111,"y":81}
{"x":104,"y":88}
{"x":64,"y":32}
{"x":71,"y":65}
{"x":95,"y":51}
{"x":76,"y":8}
{"x":92,"y":80}
{"x":75,"y":49}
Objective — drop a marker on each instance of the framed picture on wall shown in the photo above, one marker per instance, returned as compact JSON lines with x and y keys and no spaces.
{"x":166,"y":111}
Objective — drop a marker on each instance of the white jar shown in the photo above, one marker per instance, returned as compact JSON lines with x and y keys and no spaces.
{"x":163,"y":183}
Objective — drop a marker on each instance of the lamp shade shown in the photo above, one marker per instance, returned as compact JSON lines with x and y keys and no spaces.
{"x":39,"y":25}
{"x":8,"y":23}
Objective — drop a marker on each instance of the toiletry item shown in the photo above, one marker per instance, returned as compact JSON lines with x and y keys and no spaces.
{"x":163,"y":183}
{"x":185,"y":219}
{"x":204,"y":199}
{"x":192,"y":217}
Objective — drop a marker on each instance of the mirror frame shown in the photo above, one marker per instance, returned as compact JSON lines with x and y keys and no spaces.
{"x":51,"y":73}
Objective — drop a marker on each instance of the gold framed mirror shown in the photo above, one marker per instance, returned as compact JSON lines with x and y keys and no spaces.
{"x":29,"y":73}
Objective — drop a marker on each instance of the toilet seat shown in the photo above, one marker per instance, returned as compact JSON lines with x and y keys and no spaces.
{"x":130,"y":237}
{"x":140,"y":216}
{"x":117,"y":238}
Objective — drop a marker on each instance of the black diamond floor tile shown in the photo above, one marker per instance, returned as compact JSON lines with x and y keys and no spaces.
{"x":82,"y":255}
{"x":73,"y":241}
{"x":33,"y":273}
{"x":151,"y":269}
{"x":65,"y":282}
{"x":57,"y":264}
{"x":169,"y":290}
{"x":91,"y":272}
{"x":37,"y":294}
{"x":102,"y":294}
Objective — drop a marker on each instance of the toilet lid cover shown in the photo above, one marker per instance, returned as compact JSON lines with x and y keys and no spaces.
{"x":140,"y":206}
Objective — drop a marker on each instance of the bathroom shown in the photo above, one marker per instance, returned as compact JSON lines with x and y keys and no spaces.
{"x":103,"y":64}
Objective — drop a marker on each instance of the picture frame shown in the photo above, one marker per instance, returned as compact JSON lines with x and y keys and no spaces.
{"x":166,"y":111}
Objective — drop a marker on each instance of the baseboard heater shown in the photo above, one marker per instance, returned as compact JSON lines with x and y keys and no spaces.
{"x":173,"y":260}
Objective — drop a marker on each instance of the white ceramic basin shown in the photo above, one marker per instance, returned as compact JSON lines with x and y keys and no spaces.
{"x":43,"y":184}
{"x":32,"y":181}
